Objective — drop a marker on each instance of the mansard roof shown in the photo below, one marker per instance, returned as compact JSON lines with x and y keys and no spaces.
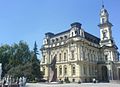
{"x":92,"y":38}
{"x":67,"y":31}
{"x":88,"y":36}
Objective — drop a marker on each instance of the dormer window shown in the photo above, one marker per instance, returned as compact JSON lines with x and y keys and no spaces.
{"x":61,"y":38}
{"x":56,"y":39}
{"x":65,"y":37}
{"x":72,"y":33}
{"x":75,"y":32}
{"x":53,"y":40}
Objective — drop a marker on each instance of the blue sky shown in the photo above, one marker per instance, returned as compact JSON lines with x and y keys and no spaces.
{"x":29,"y":20}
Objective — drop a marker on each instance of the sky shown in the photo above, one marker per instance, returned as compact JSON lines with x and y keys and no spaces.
{"x":29,"y":20}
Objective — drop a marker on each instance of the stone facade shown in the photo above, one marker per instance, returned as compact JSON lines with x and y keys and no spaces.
{"x":81,"y":56}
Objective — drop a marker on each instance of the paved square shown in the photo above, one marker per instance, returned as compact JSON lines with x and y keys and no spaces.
{"x":73,"y":85}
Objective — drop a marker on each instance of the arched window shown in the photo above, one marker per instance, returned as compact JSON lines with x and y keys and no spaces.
{"x":73,"y":69}
{"x":106,"y":57}
{"x":65,"y":57}
{"x":103,"y":20}
{"x":72,"y":33}
{"x":60,"y":70}
{"x":61,"y":38}
{"x":56,"y":39}
{"x":43,"y":59}
{"x":75,"y":32}
{"x":72,"y":54}
{"x":88,"y":56}
{"x":84,"y":70}
{"x":65,"y":70}
{"x":60,"y":58}
{"x":65,"y":37}
{"x":43,"y":70}
{"x":53,"y":40}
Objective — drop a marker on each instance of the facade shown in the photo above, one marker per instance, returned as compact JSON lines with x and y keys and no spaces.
{"x":81,"y":56}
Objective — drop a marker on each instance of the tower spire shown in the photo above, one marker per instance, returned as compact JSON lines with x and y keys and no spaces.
{"x":102,"y":4}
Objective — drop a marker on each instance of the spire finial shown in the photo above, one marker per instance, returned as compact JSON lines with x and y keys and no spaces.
{"x":102,"y":4}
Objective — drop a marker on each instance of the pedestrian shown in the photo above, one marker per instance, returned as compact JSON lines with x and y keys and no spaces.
{"x":94,"y":80}
{"x":20,"y":82}
{"x":24,"y":81}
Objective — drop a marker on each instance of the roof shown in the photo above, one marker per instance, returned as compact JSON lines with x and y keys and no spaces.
{"x":92,"y":38}
{"x":88,"y":36}
{"x":67,"y":31}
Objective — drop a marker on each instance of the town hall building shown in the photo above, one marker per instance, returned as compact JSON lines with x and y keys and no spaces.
{"x":80,"y":56}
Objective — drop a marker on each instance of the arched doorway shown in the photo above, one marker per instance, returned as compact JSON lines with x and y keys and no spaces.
{"x":118,"y":73}
{"x":104,"y":74}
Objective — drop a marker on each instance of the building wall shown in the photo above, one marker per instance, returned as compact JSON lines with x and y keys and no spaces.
{"x":79,"y":54}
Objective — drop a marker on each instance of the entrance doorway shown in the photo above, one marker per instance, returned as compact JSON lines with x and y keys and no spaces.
{"x":119,"y":73}
{"x":104,"y":74}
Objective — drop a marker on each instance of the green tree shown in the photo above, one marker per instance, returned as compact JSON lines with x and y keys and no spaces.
{"x":18,"y":60}
{"x":37,"y":74}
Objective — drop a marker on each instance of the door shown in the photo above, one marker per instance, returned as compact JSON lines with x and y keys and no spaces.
{"x":104,"y":74}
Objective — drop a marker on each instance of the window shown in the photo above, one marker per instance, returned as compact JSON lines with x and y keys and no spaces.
{"x":65,"y":70}
{"x":84,"y":70}
{"x":53,"y":40}
{"x":73,"y":69}
{"x":61,"y":38}
{"x":88,"y":56}
{"x":103,"y":20}
{"x":72,"y":33}
{"x":92,"y":70}
{"x":82,"y":34}
{"x":56,"y":39}
{"x":60,"y":57}
{"x":65,"y":37}
{"x":60,"y":70}
{"x":51,"y":59}
{"x":94,"y":58}
{"x":43,"y":59}
{"x":65,"y":57}
{"x":104,"y":32}
{"x":83,"y":54}
{"x":43,"y":70}
{"x":72,"y":54}
{"x":91,"y":58}
{"x":106,"y":57}
{"x":75,"y":32}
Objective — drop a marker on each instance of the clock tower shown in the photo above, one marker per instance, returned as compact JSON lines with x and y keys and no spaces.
{"x":106,"y":38}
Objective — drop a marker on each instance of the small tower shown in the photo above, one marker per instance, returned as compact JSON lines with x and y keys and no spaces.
{"x":106,"y":40}
{"x":105,"y":29}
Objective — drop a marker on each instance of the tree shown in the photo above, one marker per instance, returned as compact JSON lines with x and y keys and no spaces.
{"x":37,"y":74}
{"x":18,"y":60}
